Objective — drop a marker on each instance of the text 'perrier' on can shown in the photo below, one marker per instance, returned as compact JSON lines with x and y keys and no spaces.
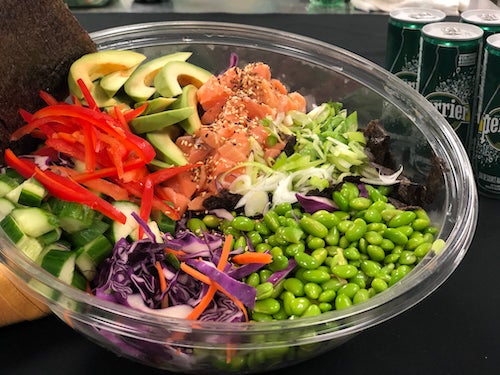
{"x":448,"y":74}
{"x":486,"y":19}
{"x":403,"y":39}
{"x":486,"y":139}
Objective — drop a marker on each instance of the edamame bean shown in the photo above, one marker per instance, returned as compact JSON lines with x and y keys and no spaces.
{"x":402,"y":218}
{"x":341,"y":201}
{"x":315,"y":242}
{"x":395,"y":236}
{"x":312,"y":290}
{"x":291,"y":234}
{"x":348,"y":289}
{"x":306,"y":261}
{"x":327,"y":295}
{"x":282,"y":208}
{"x":342,"y":301}
{"x":361,"y":296}
{"x":299,"y":305}
{"x":374,"y":238}
{"x":271,"y":219}
{"x":196,"y":225}
{"x":294,"y":248}
{"x":375,"y":252}
{"x":243,"y":223}
{"x":294,"y":286}
{"x":326,"y":218}
{"x":312,"y":310}
{"x":267,"y":306}
{"x":253,"y":279}
{"x":359,"y":203}
{"x":422,"y":249}
{"x":313,"y":227}
{"x":344,"y":271}
{"x":372,"y":215}
{"x":356,"y":231}
{"x":316,"y":276}
{"x":211,"y":221}
{"x":379,"y":285}
{"x":264,"y":290}
{"x":407,"y":257}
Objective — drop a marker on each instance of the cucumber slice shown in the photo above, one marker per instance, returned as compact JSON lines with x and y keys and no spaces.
{"x":50,"y":237}
{"x":153,"y":226}
{"x":27,"y":244}
{"x":12,"y":229}
{"x":73,"y":216}
{"x":86,"y":235}
{"x":28,"y":193}
{"x":119,"y":230}
{"x":59,"y":262}
{"x":6,"y":206}
{"x":7,"y":184}
{"x":92,"y":254}
{"x":34,"y":221}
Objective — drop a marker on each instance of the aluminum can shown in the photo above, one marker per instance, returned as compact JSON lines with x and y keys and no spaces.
{"x":486,"y":19}
{"x":403,"y":38}
{"x":486,"y":139}
{"x":448,"y":74}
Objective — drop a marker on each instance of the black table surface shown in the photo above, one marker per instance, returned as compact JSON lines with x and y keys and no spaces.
{"x":455,"y":330}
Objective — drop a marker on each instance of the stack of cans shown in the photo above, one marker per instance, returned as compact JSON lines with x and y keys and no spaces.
{"x":484,"y":146}
{"x":458,"y":71}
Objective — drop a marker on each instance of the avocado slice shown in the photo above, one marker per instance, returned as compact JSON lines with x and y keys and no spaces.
{"x":93,"y":66}
{"x":139,"y":85}
{"x":156,"y":105}
{"x":188,"y":98}
{"x":160,"y":120}
{"x":166,"y":149}
{"x":175,"y":74}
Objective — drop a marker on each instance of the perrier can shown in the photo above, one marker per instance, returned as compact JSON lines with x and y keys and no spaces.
{"x":448,"y":73}
{"x":486,"y":140}
{"x":403,"y":39}
{"x":486,"y":19}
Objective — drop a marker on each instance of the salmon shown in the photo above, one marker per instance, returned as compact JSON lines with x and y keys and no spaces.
{"x":232,"y":107}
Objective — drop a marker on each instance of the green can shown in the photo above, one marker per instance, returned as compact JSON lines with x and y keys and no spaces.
{"x":486,"y":140}
{"x":448,"y":75}
{"x":486,"y":19}
{"x":403,"y":39}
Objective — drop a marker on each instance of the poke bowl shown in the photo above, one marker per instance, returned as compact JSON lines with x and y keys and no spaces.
{"x":421,"y":141}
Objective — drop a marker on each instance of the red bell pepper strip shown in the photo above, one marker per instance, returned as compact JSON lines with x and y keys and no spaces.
{"x":47,"y":98}
{"x":164,"y":174}
{"x":62,"y":187}
{"x":87,"y":95}
{"x":146,"y":203}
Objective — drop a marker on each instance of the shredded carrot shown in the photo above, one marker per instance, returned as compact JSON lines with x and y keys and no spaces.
{"x":224,"y":256}
{"x":209,"y":295}
{"x":177,"y":253}
{"x":205,"y":279}
{"x":163,"y":282}
{"x":252,"y":257}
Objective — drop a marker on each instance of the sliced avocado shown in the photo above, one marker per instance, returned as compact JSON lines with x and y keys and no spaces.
{"x":139,"y":85}
{"x":160,"y":120}
{"x":166,"y":149}
{"x":157,"y":164}
{"x":175,"y":74}
{"x":114,"y":81}
{"x":156,"y":105}
{"x":93,"y":66}
{"x":188,"y":99}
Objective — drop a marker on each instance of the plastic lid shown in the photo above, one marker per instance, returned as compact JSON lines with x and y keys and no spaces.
{"x":482,"y":16}
{"x":418,"y":15}
{"x":453,"y":31}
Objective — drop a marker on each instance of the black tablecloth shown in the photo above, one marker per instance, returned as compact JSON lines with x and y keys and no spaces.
{"x":453,"y":331}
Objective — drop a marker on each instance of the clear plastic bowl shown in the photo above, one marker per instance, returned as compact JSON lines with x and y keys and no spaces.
{"x":322,"y":72}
